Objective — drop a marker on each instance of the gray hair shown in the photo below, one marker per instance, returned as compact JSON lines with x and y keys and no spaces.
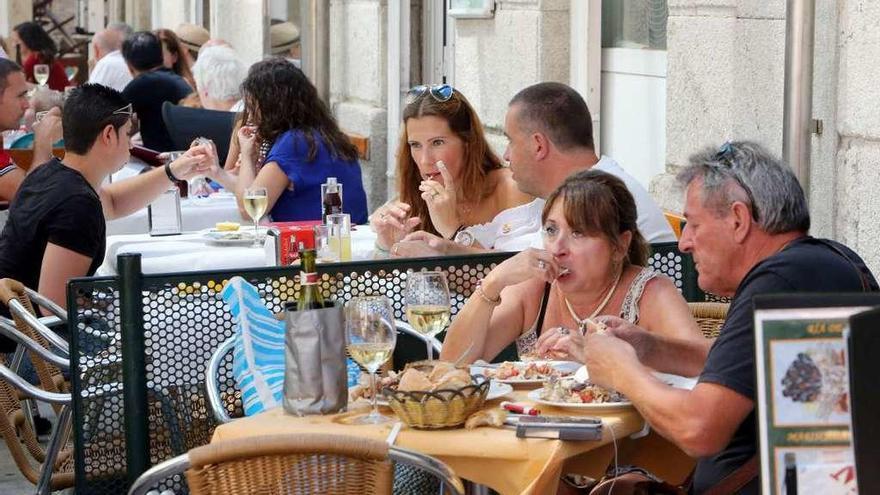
{"x":744,"y":171}
{"x":122,"y":28}
{"x":219,"y":72}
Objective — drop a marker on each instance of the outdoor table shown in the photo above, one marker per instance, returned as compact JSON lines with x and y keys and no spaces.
{"x":494,"y":457}
{"x":190,"y":251}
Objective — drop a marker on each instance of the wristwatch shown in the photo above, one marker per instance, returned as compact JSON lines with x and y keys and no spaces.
{"x":464,"y":238}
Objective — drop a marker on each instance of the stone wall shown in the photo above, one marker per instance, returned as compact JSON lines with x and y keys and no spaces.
{"x":725,"y":81}
{"x":526,"y":42}
{"x":725,"y":66}
{"x":857,"y":209}
{"x":358,"y":82}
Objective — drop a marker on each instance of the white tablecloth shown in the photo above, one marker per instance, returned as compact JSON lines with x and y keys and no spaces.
{"x":195,"y":216}
{"x":190,"y":252}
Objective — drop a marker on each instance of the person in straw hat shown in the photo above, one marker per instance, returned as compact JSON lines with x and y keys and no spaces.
{"x":284,"y":39}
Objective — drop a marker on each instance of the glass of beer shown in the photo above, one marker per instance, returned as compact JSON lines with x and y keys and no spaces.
{"x":256,"y":199}
{"x":427,"y":304}
{"x":371,"y":336}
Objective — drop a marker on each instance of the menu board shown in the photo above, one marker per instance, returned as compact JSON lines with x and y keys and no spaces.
{"x":803,"y":405}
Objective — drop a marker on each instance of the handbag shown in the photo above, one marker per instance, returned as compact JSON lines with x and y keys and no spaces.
{"x":315,"y":372}
{"x":633,"y":480}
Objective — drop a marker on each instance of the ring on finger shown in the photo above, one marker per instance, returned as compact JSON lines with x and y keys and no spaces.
{"x":542,"y":265}
{"x":563,"y":331}
{"x":395,"y":248}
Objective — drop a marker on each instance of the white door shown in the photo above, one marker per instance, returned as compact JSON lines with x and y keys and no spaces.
{"x":633,"y":107}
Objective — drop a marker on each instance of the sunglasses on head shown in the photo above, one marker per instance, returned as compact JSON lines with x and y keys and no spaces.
{"x":725,"y":156}
{"x":126,"y":110}
{"x":440,"y":92}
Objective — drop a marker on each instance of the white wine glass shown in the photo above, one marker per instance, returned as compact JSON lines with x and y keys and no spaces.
{"x":427,"y":304}
{"x":371,"y":336}
{"x":41,"y":74}
{"x":256,"y":199}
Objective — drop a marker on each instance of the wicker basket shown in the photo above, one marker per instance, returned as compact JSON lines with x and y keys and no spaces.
{"x":445,"y":408}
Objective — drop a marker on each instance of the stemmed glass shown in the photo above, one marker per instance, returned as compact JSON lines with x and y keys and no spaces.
{"x":427,"y":304}
{"x":41,"y":74}
{"x":371,"y":337}
{"x":256,"y":199}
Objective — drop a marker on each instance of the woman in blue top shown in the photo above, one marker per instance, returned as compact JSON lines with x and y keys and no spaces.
{"x":300,"y":146}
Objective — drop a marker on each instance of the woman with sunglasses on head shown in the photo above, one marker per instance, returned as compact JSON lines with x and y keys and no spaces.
{"x":592,"y":265}
{"x":290,"y":144}
{"x":449,"y":178}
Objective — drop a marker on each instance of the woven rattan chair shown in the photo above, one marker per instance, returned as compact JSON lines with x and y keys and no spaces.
{"x":293,"y":464}
{"x":710,"y":317}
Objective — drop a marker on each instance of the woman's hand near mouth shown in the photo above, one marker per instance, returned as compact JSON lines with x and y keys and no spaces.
{"x":441,"y":200}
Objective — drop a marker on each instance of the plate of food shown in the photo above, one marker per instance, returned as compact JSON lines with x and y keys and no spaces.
{"x":677,"y":381}
{"x":232,"y":234}
{"x":526,"y":372}
{"x":570,"y":393}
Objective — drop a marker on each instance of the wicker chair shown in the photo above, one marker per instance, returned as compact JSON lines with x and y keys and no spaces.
{"x":302,"y":463}
{"x":710,"y":317}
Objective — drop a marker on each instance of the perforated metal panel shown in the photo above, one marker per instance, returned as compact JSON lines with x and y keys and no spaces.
{"x":99,"y":421}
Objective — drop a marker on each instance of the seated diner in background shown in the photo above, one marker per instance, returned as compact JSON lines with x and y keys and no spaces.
{"x":37,"y":48}
{"x":550,"y":136}
{"x":592,"y":264}
{"x":13,"y":105}
{"x":448,"y":176}
{"x":747,"y":224}
{"x":290,"y":145}
{"x":56,"y":225}
{"x":153,"y":85}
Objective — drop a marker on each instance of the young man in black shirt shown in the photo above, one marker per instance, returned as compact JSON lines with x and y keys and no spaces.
{"x":152,"y":85}
{"x":56,"y":225}
{"x":747,"y":224}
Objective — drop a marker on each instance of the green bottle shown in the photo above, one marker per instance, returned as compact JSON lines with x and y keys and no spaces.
{"x":309,"y":293}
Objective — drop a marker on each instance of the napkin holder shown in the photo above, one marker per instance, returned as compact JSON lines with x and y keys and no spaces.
{"x":278,"y":252}
{"x":163,"y":214}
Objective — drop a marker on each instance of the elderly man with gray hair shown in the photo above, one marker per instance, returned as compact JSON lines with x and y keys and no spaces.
{"x":747,"y":228}
{"x":110,"y":68}
{"x":218,"y":73}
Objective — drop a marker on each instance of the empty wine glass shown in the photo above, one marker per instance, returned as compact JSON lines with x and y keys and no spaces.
{"x":41,"y":74}
{"x":371,"y":337}
{"x":427,"y":304}
{"x":256,"y":199}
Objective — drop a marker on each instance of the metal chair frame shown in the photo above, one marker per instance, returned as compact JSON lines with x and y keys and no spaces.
{"x":178,"y":465}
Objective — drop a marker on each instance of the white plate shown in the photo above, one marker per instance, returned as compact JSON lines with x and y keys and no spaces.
{"x":241,"y":237}
{"x":496,"y":391}
{"x":535,"y":396}
{"x":677,"y":381}
{"x":561,"y":366}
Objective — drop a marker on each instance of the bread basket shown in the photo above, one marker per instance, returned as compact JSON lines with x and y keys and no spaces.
{"x":443,"y":408}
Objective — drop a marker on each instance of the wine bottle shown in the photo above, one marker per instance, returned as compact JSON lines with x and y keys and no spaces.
{"x":309,"y":293}
{"x":331,"y":198}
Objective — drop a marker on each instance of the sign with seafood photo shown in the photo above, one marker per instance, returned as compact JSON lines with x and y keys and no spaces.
{"x":803,"y":405}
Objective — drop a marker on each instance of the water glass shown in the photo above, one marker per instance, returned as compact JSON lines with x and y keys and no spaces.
{"x":323,"y":247}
